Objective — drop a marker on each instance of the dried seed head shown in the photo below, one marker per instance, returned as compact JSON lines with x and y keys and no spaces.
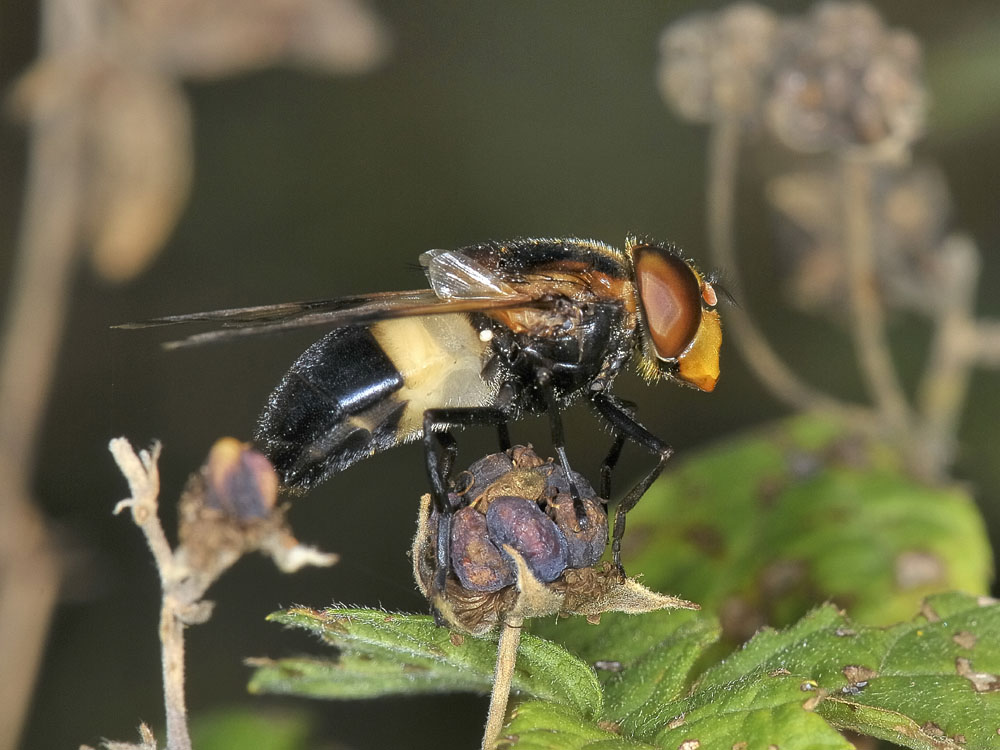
{"x":910,"y":209}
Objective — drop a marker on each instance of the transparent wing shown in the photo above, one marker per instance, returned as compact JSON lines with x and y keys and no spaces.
{"x":335,"y":313}
{"x":454,"y":275}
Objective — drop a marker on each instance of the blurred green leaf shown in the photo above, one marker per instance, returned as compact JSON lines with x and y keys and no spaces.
{"x":385,"y":653}
{"x":243,"y":728}
{"x":763,"y":528}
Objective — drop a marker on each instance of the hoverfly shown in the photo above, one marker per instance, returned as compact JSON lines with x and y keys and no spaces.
{"x":506,"y":328}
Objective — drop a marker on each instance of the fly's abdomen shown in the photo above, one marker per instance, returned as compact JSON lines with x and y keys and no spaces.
{"x":332,"y":408}
{"x":358,"y":391}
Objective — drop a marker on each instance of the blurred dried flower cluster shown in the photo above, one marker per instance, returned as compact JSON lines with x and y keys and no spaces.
{"x":836,"y":77}
{"x":862,"y":229}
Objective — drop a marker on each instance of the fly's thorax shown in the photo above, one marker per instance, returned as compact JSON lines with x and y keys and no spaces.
{"x":570,"y":354}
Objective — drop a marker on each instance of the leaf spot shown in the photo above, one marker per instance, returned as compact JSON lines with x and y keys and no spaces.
{"x":965,"y":639}
{"x":982,"y":682}
{"x":740,"y":746}
{"x":689,"y":745}
{"x":929,"y":613}
{"x":457,"y":639}
{"x":675,"y":722}
{"x":917,"y":568}
{"x":781,"y":671}
{"x":931,"y":729}
{"x":856,"y":673}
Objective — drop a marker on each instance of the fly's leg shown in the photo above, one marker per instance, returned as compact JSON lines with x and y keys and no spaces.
{"x":623,"y":423}
{"x":615,"y":452}
{"x":559,"y":444}
{"x":440,"y":450}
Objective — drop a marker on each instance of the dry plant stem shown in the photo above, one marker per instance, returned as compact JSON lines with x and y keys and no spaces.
{"x":867,"y":317}
{"x":510,"y":639}
{"x":144,"y":482}
{"x":954,"y":350}
{"x":39,"y":290}
{"x":773,"y":373}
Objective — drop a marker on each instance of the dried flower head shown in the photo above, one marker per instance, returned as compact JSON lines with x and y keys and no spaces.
{"x":843,"y":79}
{"x":518,"y":549}
{"x":714,"y":65}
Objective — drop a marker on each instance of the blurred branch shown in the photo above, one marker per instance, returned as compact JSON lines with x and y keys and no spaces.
{"x":39,"y":294}
{"x":771,"y":370}
{"x":867,"y":316}
{"x":109,"y":169}
{"x":959,"y":342}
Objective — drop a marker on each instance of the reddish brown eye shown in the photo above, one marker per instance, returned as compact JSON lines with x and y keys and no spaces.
{"x":671,"y":300}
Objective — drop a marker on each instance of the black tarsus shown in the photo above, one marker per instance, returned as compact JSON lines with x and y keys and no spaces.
{"x":440,"y":449}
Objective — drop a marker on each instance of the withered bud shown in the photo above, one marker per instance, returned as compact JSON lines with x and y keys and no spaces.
{"x":482,"y":474}
{"x":585,"y":542}
{"x":519,"y":523}
{"x":518,"y":549}
{"x":239,"y":481}
{"x":229,"y":507}
{"x":475,"y":559}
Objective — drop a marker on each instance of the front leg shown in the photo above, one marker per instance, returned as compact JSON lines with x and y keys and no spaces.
{"x":624,"y":424}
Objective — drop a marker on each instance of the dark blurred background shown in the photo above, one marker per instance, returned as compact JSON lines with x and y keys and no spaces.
{"x":483,"y":121}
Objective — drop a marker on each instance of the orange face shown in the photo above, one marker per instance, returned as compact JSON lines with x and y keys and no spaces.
{"x":683,"y":331}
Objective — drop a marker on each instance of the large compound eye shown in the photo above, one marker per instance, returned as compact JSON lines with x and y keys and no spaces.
{"x":671,"y":299}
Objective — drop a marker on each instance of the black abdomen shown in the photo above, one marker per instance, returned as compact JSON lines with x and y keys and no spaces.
{"x":331,"y":409}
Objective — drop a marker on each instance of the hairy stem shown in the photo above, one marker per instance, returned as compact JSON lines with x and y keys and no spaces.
{"x":510,"y":639}
{"x":143,"y":478}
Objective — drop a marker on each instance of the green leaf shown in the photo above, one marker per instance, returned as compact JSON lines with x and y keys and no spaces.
{"x":259,"y":729}
{"x":930,"y":683}
{"x":656,"y":651}
{"x":763,"y":528}
{"x":386,"y":653}
{"x":536,"y":725}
